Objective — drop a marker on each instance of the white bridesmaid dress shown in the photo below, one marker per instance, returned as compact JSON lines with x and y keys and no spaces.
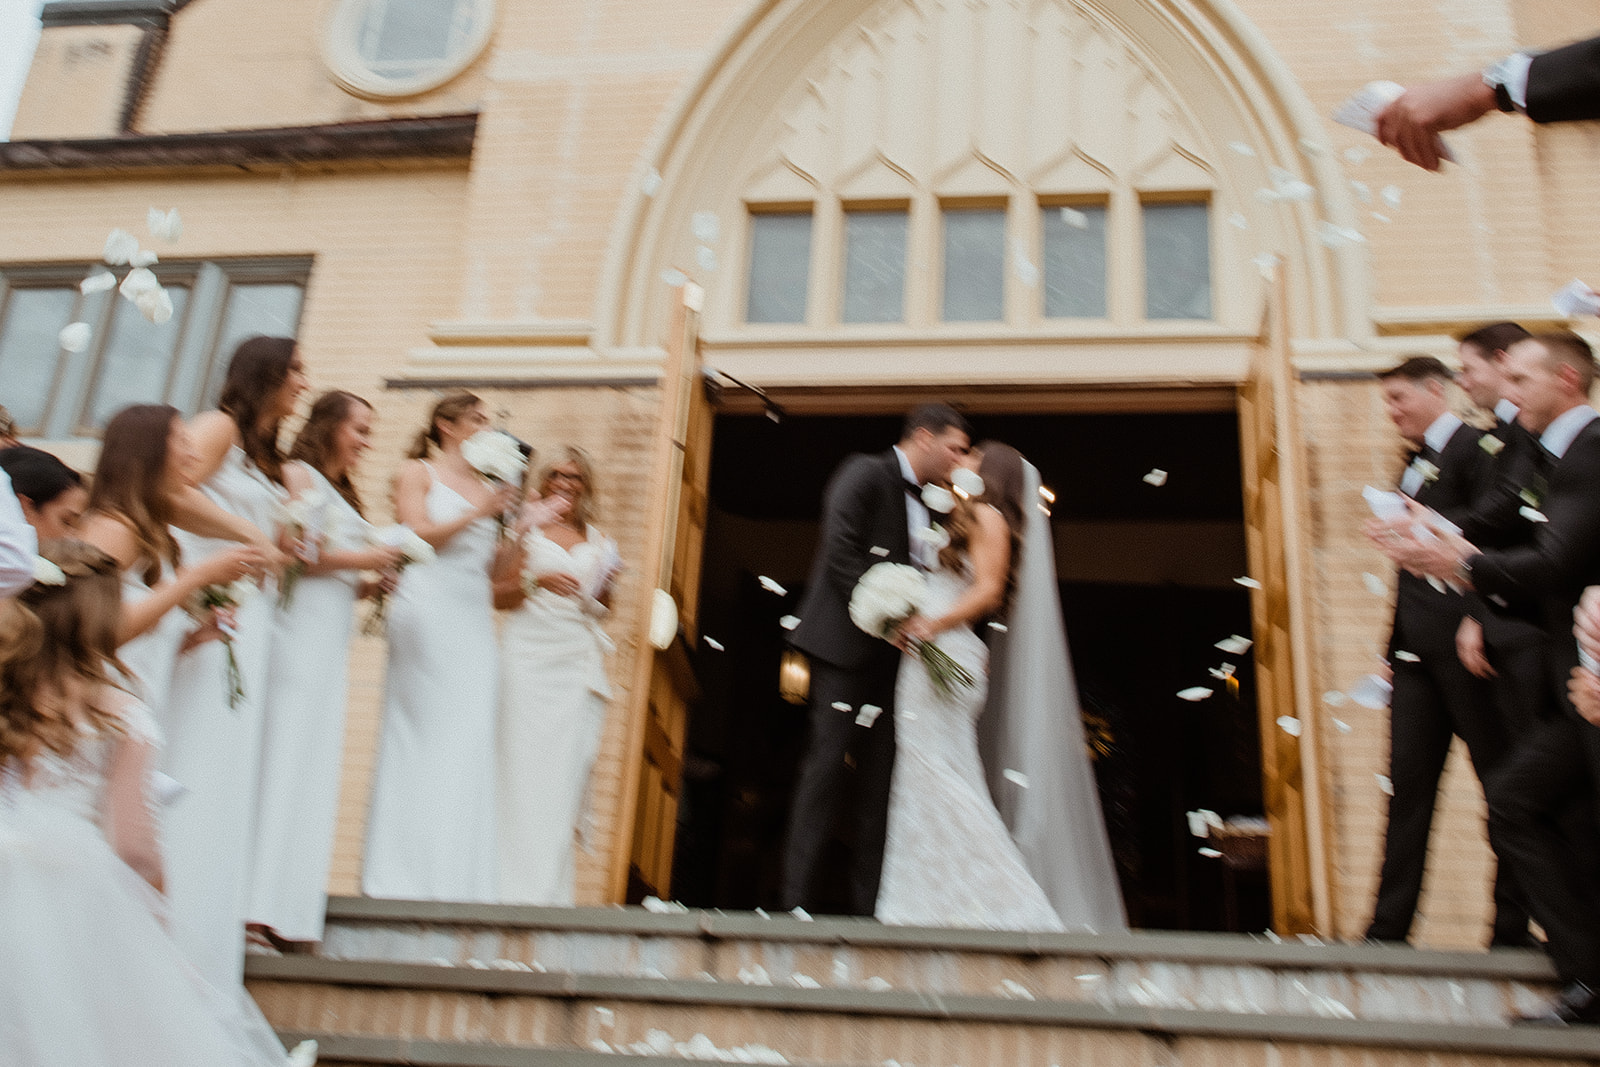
{"x":302,"y":743}
{"x":90,"y":978}
{"x":552,"y":711}
{"x":430,"y":832}
{"x":214,"y":749}
{"x":152,"y":656}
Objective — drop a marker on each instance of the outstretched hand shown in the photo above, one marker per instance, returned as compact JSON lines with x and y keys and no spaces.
{"x":1412,"y":124}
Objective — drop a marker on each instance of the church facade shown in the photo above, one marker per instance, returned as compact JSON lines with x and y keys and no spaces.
{"x":1043,"y":210}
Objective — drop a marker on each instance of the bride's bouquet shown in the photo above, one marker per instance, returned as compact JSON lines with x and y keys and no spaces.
{"x":204,"y":605}
{"x":413,"y":549}
{"x":303,"y":519}
{"x":889,"y":594}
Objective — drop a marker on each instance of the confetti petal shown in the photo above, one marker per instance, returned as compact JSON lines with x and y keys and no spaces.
{"x":1248,"y":583}
{"x":1335,"y":236}
{"x":1385,"y":784}
{"x":1342,"y":726}
{"x":1194,"y":693}
{"x":1266,"y":263}
{"x":1363,"y":191}
{"x":1222,"y":673}
{"x":878,"y":550}
{"x":771,"y":586}
{"x":1014,"y":988}
{"x":805,"y":981}
{"x":1015,"y":776}
{"x":120,"y":247}
{"x":1241,"y":148}
{"x":1532,"y":514}
{"x":1356,"y":156}
{"x":1334,"y":698}
{"x":1312,"y":148}
{"x":868,"y":714}
{"x":674,"y":277}
{"x":1406,"y":657}
{"x":789,"y":622}
{"x":166,"y":225}
{"x":75,"y":337}
{"x":650,"y":184}
{"x":1378,"y":215}
{"x":1375,"y":585}
{"x":1372,"y":692}
{"x":1238,"y":221}
{"x":712,"y":642}
{"x":999,"y":627}
{"x":98,"y":282}
{"x":705,"y":226}
{"x":800,"y":913}
{"x":1209,"y":853}
{"x":1290,"y":725}
{"x":143,"y":258}
{"x":1157,"y":477}
{"x":706,"y":257}
{"x":1391,"y":195}
{"x":1234,"y":645}
{"x":839,"y":705}
{"x":1075,"y":218}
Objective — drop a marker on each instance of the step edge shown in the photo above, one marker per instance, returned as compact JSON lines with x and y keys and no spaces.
{"x":1173,"y":1022}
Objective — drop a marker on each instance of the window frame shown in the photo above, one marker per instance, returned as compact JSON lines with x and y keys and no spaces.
{"x":341,"y":51}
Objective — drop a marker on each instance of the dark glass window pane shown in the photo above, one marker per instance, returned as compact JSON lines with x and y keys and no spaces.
{"x":271,"y":308}
{"x":402,"y":38}
{"x":1074,"y":262}
{"x":1177,"y":261}
{"x":137,"y":360}
{"x":974,"y":264}
{"x":30,"y":349}
{"x":875,"y":266}
{"x":780,"y":267}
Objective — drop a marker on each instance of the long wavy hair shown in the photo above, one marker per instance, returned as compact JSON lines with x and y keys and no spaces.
{"x":130,"y":482}
{"x":1001,"y":469}
{"x":450,"y":407}
{"x":50,"y":636}
{"x":583,"y":508}
{"x":314,"y":444}
{"x":259,"y":367}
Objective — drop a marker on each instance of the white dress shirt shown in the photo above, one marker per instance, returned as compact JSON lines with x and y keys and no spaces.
{"x":1435,"y":437}
{"x":1505,"y":410}
{"x":917,"y":517}
{"x":18,"y":543}
{"x":1558,"y":436}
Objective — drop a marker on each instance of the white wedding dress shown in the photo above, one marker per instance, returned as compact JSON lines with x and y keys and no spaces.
{"x":552,"y":710}
{"x":214,"y":747}
{"x":302,"y":746}
{"x":431,"y":830}
{"x":88,"y":976}
{"x":949,"y":859}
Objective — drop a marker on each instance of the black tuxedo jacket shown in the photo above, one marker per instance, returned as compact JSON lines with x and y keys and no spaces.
{"x":1563,"y":556}
{"x":863,"y":508}
{"x":1465,"y":472}
{"x":1564,"y":85}
{"x":1497,"y":522}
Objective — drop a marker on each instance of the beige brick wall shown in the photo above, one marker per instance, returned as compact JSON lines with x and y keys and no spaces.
{"x":78,"y":82}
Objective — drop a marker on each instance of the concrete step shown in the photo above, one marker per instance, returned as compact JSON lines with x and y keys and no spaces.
{"x":1223,"y":973}
{"x":366,"y":1012}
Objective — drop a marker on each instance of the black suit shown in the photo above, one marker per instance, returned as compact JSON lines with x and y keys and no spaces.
{"x":1564,"y":84}
{"x":864,"y":508}
{"x":1532,"y":796}
{"x":1435,"y":699}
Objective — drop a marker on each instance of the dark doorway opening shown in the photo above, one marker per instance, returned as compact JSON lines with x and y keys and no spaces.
{"x":1145,"y":577}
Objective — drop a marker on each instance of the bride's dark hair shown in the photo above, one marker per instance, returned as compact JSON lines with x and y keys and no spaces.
{"x":1001,"y":468}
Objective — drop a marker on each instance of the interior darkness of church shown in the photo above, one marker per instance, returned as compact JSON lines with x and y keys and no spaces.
{"x":1145,"y":575}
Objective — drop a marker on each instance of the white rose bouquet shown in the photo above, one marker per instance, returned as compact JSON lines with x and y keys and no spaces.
{"x":303,"y":519}
{"x":889,"y":594}
{"x":496,"y":455}
{"x":413,"y":549}
{"x":204,"y":605}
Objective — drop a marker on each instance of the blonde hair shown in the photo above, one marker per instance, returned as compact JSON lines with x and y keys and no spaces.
{"x":450,"y":407}
{"x":51,"y":635}
{"x":583,"y":509}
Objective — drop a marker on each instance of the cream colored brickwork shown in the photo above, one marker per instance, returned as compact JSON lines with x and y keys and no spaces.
{"x":548,"y":247}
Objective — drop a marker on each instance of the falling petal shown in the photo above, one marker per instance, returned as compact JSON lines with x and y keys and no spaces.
{"x":98,"y":282}
{"x":120,"y":247}
{"x":1289,"y":725}
{"x":674,"y":277}
{"x":839,"y":705}
{"x":144,"y":257}
{"x":789,"y":622}
{"x":1266,"y":263}
{"x":998,"y":627}
{"x":712,"y":642}
{"x":1337,"y":236}
{"x":706,"y":226}
{"x":1075,"y":218}
{"x":1209,"y":853}
{"x":1248,"y":583}
{"x":1237,"y":219}
{"x":878,"y":985}
{"x":1363,"y":191}
{"x":1381,"y":217}
{"x":1194,"y":693}
{"x":1342,"y":726}
{"x":75,"y":337}
{"x":868,"y":714}
{"x":706,"y":257}
{"x":1356,"y":156}
{"x":1222,"y":673}
{"x":1088,"y":977}
{"x":1027,"y":273}
{"x":805,"y":981}
{"x":878,"y":550}
{"x":1241,"y":148}
{"x":1156,"y":477}
{"x":1375,"y":585}
{"x":1532,"y":514}
{"x":1391,"y":195}
{"x":1268,"y":196}
{"x":1385,"y":784}
{"x":1406,"y":657}
{"x":1234,"y":645}
{"x":651,"y":182}
{"x":771,"y":586}
{"x":1372,"y":692}
{"x":800,"y":913}
{"x":1311,"y":148}
{"x":1334,"y":698}
{"x":1199,"y":825}
{"x":1015,"y":776}
{"x":1012,"y":987}
{"x":164,"y":224}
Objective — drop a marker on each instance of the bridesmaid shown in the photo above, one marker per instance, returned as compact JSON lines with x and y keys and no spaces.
{"x":303,"y":733}
{"x":214,"y":741}
{"x":146,"y":458}
{"x":430,"y":835}
{"x":51,"y":493}
{"x":554,"y":688}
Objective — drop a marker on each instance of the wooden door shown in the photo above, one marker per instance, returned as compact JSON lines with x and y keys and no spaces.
{"x":663,"y":686}
{"x":1276,"y":521}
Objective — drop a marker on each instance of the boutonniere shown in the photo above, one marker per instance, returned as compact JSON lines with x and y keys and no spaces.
{"x":1429,"y":471}
{"x":1533,"y":495}
{"x":1491,"y":444}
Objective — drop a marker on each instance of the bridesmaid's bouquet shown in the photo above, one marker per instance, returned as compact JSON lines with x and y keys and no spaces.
{"x":302,"y":519}
{"x":204,"y":606}
{"x":413,"y":549}
{"x":889,"y":594}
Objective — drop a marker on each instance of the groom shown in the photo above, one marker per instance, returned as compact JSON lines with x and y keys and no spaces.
{"x":869,"y":511}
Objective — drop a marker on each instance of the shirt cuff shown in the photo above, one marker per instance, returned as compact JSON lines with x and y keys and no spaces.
{"x":1512,"y":72}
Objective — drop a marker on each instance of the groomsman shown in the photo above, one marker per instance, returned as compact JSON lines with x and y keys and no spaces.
{"x":1435,"y":697}
{"x":1548,"y":376}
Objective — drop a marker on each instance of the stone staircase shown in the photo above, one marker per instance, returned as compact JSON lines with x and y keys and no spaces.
{"x":451,"y":985}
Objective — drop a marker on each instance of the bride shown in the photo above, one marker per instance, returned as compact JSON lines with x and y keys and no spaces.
{"x":951,"y":858}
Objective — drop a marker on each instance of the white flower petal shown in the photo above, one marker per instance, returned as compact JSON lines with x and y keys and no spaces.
{"x":789,"y":622}
{"x":1532,"y":514}
{"x":98,"y":282}
{"x":1391,"y":195}
{"x":1241,"y":148}
{"x":712,"y":643}
{"x":1406,"y":657}
{"x":1356,"y":156}
{"x":868,"y":714}
{"x":1015,"y":776}
{"x":143,"y":258}
{"x":46,"y":572}
{"x":771,"y":586}
{"x":1342,"y":726}
{"x":1074,"y":218}
{"x":938,"y":498}
{"x":1289,"y":725}
{"x":1013,"y":988}
{"x":155,"y":305}
{"x":936,"y":537}
{"x":800,"y":913}
{"x":1194,"y":693}
{"x":998,"y":627}
{"x":1234,"y":645}
{"x":674,"y":277}
{"x":139,"y":280}
{"x":706,"y":257}
{"x":164,"y":224}
{"x":804,"y":981}
{"x":120,"y":247}
{"x":1363,"y":191}
{"x":1312,"y":148}
{"x":967,"y":481}
{"x":650,"y":184}
{"x":1385,"y":784}
{"x":878,"y":550}
{"x":1248,"y":583}
{"x":1238,"y":221}
{"x":1381,"y":217}
{"x":75,"y":337}
{"x":1334,"y":698}
{"x":1156,"y":477}
{"x":1372,"y":692}
{"x":839,"y":705}
{"x":1209,"y":853}
{"x":705,"y":226}
{"x":1375,"y":585}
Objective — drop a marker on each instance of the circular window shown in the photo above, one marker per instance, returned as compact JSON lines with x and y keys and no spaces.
{"x":405,"y":47}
